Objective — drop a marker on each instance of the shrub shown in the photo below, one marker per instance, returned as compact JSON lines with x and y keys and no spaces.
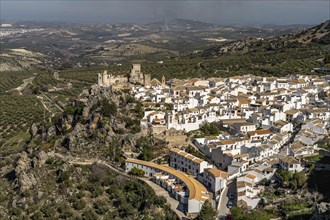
{"x":95,"y":189}
{"x":48,"y":211}
{"x":89,"y":214}
{"x":101,"y":207}
{"x":64,"y":176}
{"x":207,"y":212}
{"x":210,"y":128}
{"x":65,"y":211}
{"x":136,"y":172}
{"x":108,"y":109}
{"x":145,"y":145}
{"x":79,"y":204}
{"x":37,"y":216}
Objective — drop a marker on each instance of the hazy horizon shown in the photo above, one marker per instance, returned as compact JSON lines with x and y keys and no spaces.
{"x":135,"y":11}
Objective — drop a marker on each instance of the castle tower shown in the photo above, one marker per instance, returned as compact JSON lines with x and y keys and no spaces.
{"x":56,"y":76}
{"x":163,"y":81}
{"x":104,"y":79}
{"x":99,"y":79}
{"x":136,"y":70}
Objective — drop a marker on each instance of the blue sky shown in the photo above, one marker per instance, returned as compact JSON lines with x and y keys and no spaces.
{"x":135,"y":11}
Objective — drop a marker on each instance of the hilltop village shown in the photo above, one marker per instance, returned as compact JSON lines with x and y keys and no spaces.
{"x":263,"y":125}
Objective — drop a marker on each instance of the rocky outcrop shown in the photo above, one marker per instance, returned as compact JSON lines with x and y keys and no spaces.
{"x":26,"y":181}
{"x":23,"y":163}
{"x":33,"y":130}
{"x":42,"y":132}
{"x":40,"y":159}
{"x":323,"y":207}
{"x":96,"y":119}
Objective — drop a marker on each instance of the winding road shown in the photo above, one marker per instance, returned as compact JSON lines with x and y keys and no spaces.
{"x":21,"y":87}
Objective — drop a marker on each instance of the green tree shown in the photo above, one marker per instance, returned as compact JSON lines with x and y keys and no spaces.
{"x":286,"y":175}
{"x":79,"y":204}
{"x":237,"y":213}
{"x":65,"y":211}
{"x":210,"y":128}
{"x":69,"y":110}
{"x":264,"y":182}
{"x":49,"y":211}
{"x":145,"y":145}
{"x":37,"y":216}
{"x":257,"y":215}
{"x":108,"y":108}
{"x":100,"y":207}
{"x":300,"y":178}
{"x":327,"y":58}
{"x":139,"y":110}
{"x":207,"y":212}
{"x":89,"y":214}
{"x":136,"y":172}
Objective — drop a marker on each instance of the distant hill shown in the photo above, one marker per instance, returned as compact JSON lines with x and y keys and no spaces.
{"x":319,"y":34}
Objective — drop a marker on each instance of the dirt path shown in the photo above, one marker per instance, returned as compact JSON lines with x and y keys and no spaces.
{"x":52,"y":101}
{"x":26,"y":82}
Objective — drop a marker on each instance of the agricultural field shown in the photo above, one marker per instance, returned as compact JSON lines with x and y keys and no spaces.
{"x":263,"y":63}
{"x":17,"y":115}
{"x":18,"y":112}
{"x":114,"y":50}
{"x":65,"y":95}
{"x":44,"y":79}
{"x":10,"y":80}
{"x":88,"y":75}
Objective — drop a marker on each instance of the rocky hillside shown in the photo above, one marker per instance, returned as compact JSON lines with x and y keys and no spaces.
{"x":19,"y":59}
{"x":319,"y":34}
{"x":316,"y":35}
{"x":59,"y":174}
{"x":101,"y":123}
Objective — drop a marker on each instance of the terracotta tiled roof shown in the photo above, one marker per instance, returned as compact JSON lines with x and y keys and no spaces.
{"x":225,"y":142}
{"x":241,"y":156}
{"x":217,"y":173}
{"x":289,"y":160}
{"x":250,"y":176}
{"x":186,"y":155}
{"x":259,"y":132}
{"x":196,"y":190}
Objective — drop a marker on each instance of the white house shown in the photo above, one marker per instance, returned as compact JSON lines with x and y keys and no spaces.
{"x":187,"y":163}
{"x":214,"y":179}
{"x":187,"y":190}
{"x":291,"y":164}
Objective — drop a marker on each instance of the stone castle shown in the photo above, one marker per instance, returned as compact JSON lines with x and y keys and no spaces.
{"x":135,"y":76}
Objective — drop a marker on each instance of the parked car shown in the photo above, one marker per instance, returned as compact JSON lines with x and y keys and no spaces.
{"x":230,"y":204}
{"x":231,"y":196}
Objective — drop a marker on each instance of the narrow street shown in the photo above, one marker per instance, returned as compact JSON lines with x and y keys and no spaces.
{"x":222,"y":205}
{"x":175,"y":205}
{"x":223,"y":209}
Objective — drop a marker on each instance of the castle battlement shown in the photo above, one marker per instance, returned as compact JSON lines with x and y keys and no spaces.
{"x":135,"y":76}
